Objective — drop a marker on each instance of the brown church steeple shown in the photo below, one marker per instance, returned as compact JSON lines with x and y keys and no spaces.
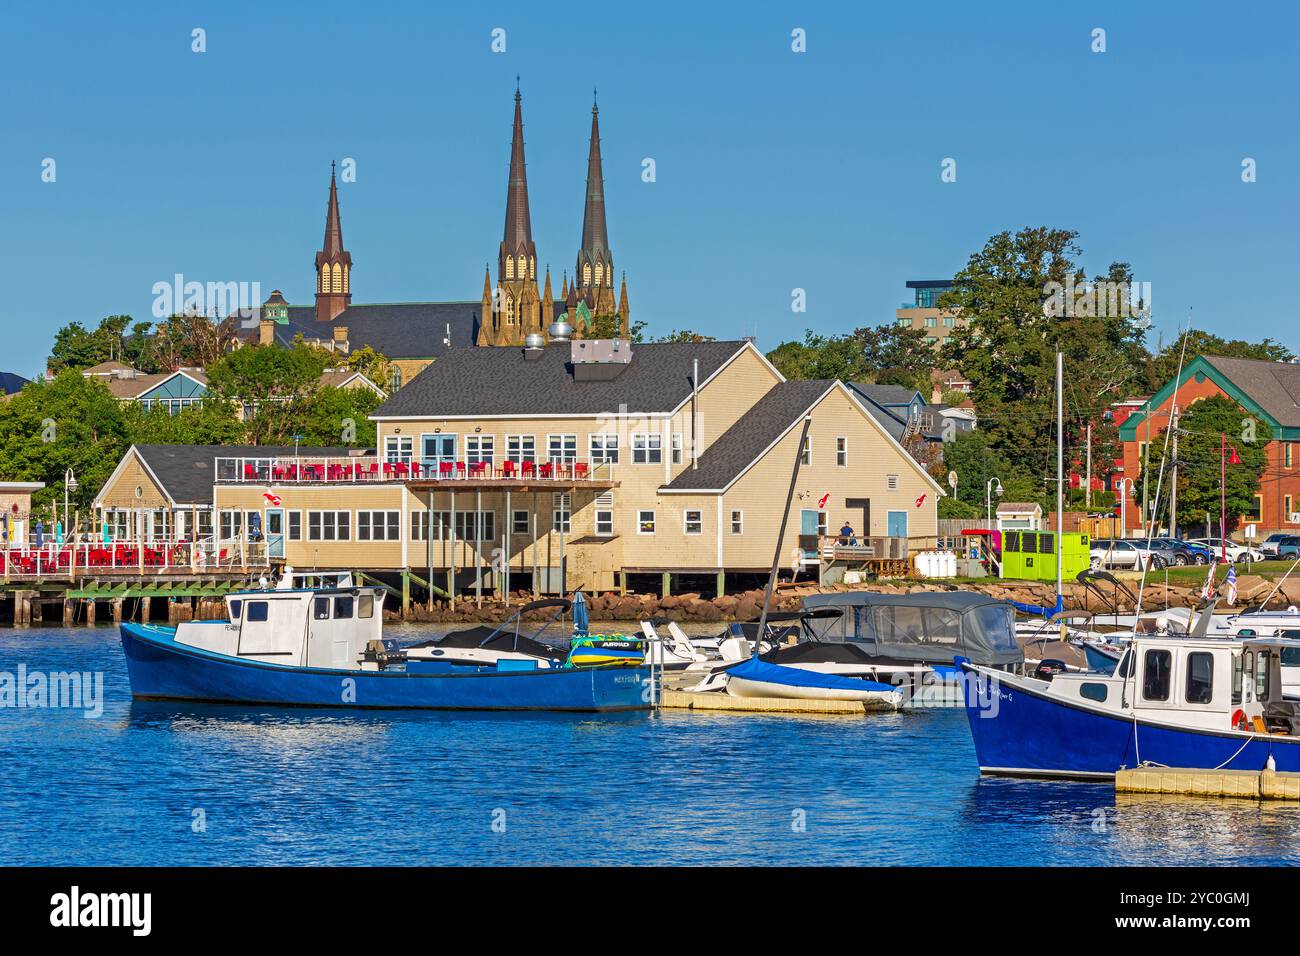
{"x":593,"y":276}
{"x":333,"y":263}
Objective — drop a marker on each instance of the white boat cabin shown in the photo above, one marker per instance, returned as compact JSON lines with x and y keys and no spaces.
{"x":334,"y":627}
{"x":1211,"y":683}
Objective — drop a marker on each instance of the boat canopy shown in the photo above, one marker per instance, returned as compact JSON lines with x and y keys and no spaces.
{"x":931,"y":626}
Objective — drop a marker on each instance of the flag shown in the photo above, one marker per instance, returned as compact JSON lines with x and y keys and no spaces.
{"x":1207,"y":592}
{"x":273,"y":499}
{"x":1232,"y":585}
{"x":1233,"y":457}
{"x":821,"y":502}
{"x":920,"y":501}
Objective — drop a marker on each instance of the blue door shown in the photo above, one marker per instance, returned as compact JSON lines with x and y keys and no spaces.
{"x":809,"y":524}
{"x":897,"y":526}
{"x":275,"y":532}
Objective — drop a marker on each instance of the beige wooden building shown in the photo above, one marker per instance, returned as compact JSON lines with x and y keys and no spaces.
{"x":574,"y":464}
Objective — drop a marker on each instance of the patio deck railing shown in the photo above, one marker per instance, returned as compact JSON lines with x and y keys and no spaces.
{"x":150,"y":556}
{"x":371,"y":469}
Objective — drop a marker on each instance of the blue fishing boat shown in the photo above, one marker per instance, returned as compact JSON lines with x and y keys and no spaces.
{"x":1173,"y":701}
{"x":323,"y":647}
{"x":1101,"y":658}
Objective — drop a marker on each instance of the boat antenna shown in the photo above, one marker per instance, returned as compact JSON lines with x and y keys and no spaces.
{"x":780,"y":535}
{"x":1060,"y":486}
{"x":1164,"y":456}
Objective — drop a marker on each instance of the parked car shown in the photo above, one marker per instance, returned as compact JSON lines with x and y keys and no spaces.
{"x":1185,"y":552}
{"x":1270,"y":544}
{"x":1289,"y":547}
{"x":1135,"y":554}
{"x":1235,"y":551}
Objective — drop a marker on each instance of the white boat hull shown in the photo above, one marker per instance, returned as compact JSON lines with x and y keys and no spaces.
{"x":872,"y":699}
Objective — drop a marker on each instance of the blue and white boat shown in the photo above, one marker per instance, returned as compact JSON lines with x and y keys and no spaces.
{"x":1173,"y":700}
{"x":323,"y":647}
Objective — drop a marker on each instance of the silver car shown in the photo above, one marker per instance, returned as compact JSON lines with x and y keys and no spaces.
{"x":1133,"y":554}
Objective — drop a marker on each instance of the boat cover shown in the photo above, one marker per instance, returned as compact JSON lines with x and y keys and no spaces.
{"x":930,"y":627}
{"x":757,"y":670}
{"x":504,"y":641}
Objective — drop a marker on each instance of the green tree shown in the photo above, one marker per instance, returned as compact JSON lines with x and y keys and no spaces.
{"x":820,"y":356}
{"x":606,"y":327}
{"x":77,"y":347}
{"x":328,"y":417}
{"x":266,"y":379}
{"x":974,"y":458}
{"x":1008,"y":344}
{"x":685,"y":335}
{"x":68,"y":422}
{"x":1203,"y":429}
{"x":213,"y":423}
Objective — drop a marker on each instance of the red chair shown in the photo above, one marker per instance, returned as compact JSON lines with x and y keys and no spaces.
{"x":478,"y":469}
{"x":546,"y":470}
{"x":374,"y":471}
{"x":460,"y":469}
{"x":415,"y":469}
{"x":250,"y":472}
{"x":402,"y":469}
{"x":507,"y":469}
{"x":444,"y":469}
{"x":527,"y":470}
{"x":580,"y":469}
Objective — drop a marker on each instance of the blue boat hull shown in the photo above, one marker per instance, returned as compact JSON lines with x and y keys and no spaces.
{"x":159,"y":668}
{"x":1030,"y":734}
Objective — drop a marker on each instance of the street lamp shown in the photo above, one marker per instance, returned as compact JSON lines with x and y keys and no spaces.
{"x":988,"y":497}
{"x":69,"y":485}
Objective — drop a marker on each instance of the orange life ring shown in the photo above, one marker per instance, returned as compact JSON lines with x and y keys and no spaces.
{"x":1239,"y":719}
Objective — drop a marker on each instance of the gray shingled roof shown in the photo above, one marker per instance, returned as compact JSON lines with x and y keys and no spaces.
{"x":744,"y":441}
{"x":186,"y":471}
{"x":886,"y":394}
{"x":501,"y":381}
{"x":11,"y":383}
{"x":1273,"y":386}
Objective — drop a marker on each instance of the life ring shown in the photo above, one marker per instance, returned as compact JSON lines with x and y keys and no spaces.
{"x":1239,"y":720}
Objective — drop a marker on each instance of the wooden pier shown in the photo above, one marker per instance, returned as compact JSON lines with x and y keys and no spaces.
{"x":1248,"y":784}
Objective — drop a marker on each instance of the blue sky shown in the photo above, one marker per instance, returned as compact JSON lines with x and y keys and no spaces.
{"x":775,"y":170}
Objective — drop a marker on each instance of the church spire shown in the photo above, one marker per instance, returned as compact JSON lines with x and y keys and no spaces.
{"x":518,"y":238}
{"x":333,"y":263}
{"x":593,"y":275}
{"x":517,"y":302}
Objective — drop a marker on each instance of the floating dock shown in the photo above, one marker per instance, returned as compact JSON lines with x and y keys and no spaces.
{"x":1248,"y":784}
{"x":683,"y":700}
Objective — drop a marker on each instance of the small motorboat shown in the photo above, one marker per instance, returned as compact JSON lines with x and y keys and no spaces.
{"x":671,"y":649}
{"x":324,"y":647}
{"x":1173,"y":700}
{"x":483,"y":645}
{"x":757,"y":678}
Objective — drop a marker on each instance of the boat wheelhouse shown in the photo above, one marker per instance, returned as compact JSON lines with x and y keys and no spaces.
{"x":1172,"y":700}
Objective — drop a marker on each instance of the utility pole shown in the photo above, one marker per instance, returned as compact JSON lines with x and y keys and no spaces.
{"x":1173,"y":476}
{"x":1087,"y":493}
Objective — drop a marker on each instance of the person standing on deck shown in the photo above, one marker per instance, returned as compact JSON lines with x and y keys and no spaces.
{"x":846,"y":535}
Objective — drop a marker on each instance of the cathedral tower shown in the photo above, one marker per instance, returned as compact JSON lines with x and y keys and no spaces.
{"x":593,"y":276}
{"x":333,"y":264}
{"x":515,"y":309}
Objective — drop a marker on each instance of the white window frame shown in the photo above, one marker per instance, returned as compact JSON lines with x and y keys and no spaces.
{"x":737,"y":521}
{"x":564,"y":441}
{"x":521,"y":448}
{"x":480,"y":448}
{"x":289,"y":521}
{"x":399,"y":448}
{"x":515,"y":514}
{"x":641,"y":522}
{"x":891,"y":482}
{"x":687,"y":522}
{"x":842,"y":451}
{"x":647,"y":448}
{"x":805,"y":456}
{"x":389,"y":524}
{"x":677,"y":448}
{"x":602,"y":447}
{"x":604,"y":515}
{"x":336,"y":525}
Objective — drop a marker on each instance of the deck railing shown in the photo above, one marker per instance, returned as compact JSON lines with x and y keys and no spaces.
{"x":371,"y":469}
{"x":149,"y":556}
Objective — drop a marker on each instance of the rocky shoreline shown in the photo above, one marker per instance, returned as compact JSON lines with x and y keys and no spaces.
{"x":746,"y":605}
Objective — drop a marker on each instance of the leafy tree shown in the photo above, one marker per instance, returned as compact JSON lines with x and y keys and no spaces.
{"x":191,"y":341}
{"x":893,"y":355}
{"x":213,"y":423}
{"x":819,"y":356}
{"x":1008,"y":344}
{"x":606,"y":327}
{"x":976,"y":460}
{"x":75,"y":346}
{"x":685,"y":335}
{"x":264,"y":378}
{"x":327,"y":416}
{"x":950,"y":507}
{"x":954,"y":397}
{"x":68,"y":422}
{"x":1199,"y":447}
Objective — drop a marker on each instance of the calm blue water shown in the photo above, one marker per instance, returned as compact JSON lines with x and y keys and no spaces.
{"x":323,"y":787}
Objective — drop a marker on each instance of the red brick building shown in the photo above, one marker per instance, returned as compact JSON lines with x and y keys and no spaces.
{"x":1269,"y":390}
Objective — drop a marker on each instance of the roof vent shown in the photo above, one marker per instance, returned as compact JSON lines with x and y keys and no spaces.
{"x":534,"y":345}
{"x":560,"y":331}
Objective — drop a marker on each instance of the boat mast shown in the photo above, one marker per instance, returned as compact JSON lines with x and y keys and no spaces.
{"x":1060,"y":487}
{"x":780,"y":535}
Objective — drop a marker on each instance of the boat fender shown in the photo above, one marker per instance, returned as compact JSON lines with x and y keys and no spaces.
{"x":1239,"y":721}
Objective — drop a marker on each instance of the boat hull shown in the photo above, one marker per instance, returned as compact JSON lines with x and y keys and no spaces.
{"x":159,"y":668}
{"x":1019,"y":731}
{"x":754,"y":678}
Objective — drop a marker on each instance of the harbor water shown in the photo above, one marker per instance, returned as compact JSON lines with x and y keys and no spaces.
{"x":166,"y":783}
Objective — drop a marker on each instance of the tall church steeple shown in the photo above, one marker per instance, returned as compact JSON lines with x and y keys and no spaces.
{"x":333,"y":263}
{"x":593,"y":276}
{"x":516,"y":307}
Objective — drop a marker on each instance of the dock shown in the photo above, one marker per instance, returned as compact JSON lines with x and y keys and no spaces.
{"x":684,"y":700}
{"x":1248,"y":784}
